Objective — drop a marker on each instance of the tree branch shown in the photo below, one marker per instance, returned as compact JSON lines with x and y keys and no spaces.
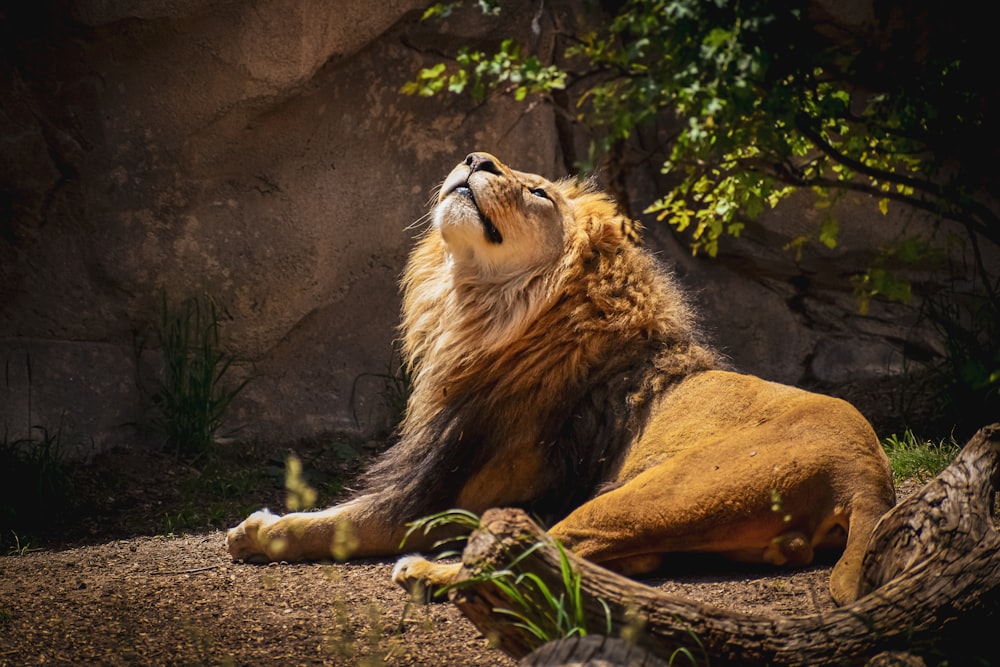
{"x":975,"y":216}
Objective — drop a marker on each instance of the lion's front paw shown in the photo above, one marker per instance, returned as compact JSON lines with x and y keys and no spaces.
{"x":409,"y":574}
{"x":246,"y":541}
{"x":424,"y":580}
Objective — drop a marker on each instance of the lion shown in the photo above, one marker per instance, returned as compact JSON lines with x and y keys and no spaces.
{"x":558,"y":367}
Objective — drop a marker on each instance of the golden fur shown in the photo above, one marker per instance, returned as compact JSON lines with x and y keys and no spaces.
{"x":556,"y":367}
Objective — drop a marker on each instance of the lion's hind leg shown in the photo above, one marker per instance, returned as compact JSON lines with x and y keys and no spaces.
{"x":792,"y":548}
{"x":630,"y":528}
{"x":845,"y":579}
{"x":680,"y":507}
{"x":633,"y":566}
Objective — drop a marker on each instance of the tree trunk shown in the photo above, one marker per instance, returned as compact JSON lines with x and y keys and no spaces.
{"x":930,"y":585}
{"x":592,"y":651}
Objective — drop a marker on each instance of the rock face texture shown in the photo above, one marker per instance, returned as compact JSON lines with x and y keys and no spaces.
{"x":257,"y":152}
{"x":261,"y":153}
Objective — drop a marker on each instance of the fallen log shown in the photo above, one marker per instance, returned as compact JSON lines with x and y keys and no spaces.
{"x":930,"y":586}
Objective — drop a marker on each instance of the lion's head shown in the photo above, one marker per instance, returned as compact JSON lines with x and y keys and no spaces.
{"x":502,"y":245}
{"x":503,"y":224}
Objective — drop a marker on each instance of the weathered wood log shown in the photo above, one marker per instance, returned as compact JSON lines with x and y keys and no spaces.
{"x":591,"y":651}
{"x":932,"y":580}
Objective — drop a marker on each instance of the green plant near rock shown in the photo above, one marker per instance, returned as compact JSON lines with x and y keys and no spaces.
{"x":545,"y":613}
{"x":35,"y":481}
{"x":189,"y":397}
{"x":915,"y":458}
{"x":19,"y":548}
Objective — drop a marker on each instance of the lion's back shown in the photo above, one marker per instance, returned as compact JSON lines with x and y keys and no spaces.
{"x":717,"y":418}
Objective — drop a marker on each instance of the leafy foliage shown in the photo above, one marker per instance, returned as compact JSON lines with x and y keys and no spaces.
{"x":765,"y":103}
{"x":545,"y":613}
{"x":762,"y":99}
{"x":478,"y":73}
{"x":464,"y":519}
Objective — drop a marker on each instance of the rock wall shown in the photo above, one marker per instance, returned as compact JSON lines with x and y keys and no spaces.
{"x":260,"y":152}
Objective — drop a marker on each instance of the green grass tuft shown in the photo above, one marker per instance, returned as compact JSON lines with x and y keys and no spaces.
{"x":916,"y":458}
{"x":189,"y":398}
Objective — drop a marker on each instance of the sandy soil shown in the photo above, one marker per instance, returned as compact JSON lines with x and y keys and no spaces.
{"x":180,"y":600}
{"x":114,"y":594}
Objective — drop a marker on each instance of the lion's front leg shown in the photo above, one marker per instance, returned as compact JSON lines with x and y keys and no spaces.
{"x":422,"y":578}
{"x":352,"y":529}
{"x":248,"y":541}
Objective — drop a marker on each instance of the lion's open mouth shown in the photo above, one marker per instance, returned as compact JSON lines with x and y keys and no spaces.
{"x":492,"y":233}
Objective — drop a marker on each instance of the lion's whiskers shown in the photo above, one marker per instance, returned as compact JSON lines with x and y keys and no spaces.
{"x":419,"y":222}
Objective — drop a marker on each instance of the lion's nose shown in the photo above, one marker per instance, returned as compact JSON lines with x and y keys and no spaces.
{"x":482,"y":162}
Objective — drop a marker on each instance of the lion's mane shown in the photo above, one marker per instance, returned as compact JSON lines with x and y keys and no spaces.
{"x":561,"y":363}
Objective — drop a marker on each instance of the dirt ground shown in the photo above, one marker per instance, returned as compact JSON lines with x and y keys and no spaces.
{"x":125,"y":598}
{"x":180,"y":600}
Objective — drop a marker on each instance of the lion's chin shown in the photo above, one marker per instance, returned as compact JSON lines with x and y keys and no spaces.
{"x":461,"y":220}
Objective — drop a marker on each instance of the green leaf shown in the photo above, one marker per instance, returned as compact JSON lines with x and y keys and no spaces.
{"x":440,"y":9}
{"x":457,"y":81}
{"x":432,"y":72}
{"x":828,"y":232}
